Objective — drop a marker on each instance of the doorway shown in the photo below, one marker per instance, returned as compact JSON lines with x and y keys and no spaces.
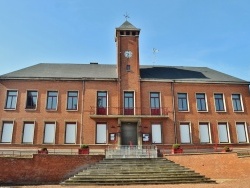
{"x":129,"y":134}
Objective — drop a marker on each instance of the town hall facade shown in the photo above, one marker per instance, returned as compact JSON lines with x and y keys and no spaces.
{"x":66,"y":105}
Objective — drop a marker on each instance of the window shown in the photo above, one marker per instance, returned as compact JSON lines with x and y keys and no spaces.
{"x":11,"y":100}
{"x":155,"y":103}
{"x":128,"y":103}
{"x":101,"y":133}
{"x":156,"y":134}
{"x":72,"y":101}
{"x":51,"y":100}
{"x":182,"y":102}
{"x":28,"y":132}
{"x":31,"y":102}
{"x":204,"y":133}
{"x":201,"y":102}
{"x":241,"y":132}
{"x":185,"y":132}
{"x":70,"y":133}
{"x":236,"y":99}
{"x":223,"y":133}
{"x":49,"y":133}
{"x":219,"y":102}
{"x":102,"y":103}
{"x":7,"y":131}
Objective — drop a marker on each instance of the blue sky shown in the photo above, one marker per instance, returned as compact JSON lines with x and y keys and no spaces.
{"x":207,"y":33}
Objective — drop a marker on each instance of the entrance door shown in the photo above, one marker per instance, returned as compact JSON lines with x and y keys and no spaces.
{"x":129,"y":134}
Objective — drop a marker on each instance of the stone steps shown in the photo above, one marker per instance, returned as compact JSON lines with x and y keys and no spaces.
{"x":136,"y":171}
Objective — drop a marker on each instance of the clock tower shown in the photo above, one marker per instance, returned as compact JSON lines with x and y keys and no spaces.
{"x":128,"y":68}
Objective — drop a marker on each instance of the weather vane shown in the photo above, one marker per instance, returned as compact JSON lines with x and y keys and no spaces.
{"x":126,"y":16}
{"x":154,"y":53}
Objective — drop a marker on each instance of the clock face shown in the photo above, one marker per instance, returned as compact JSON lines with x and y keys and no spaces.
{"x":128,"y":54}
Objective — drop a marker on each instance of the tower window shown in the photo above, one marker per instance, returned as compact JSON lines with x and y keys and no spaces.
{"x":127,"y":32}
{"x":128,"y":68}
{"x":133,"y":33}
{"x":121,"y":33}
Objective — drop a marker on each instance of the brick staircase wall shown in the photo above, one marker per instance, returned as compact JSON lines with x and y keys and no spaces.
{"x":215,"y":166}
{"x":42,"y":169}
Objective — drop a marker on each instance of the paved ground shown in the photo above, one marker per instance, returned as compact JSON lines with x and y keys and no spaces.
{"x":229,"y":183}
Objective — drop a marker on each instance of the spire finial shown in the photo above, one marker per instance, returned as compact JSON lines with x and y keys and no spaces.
{"x":126,"y":16}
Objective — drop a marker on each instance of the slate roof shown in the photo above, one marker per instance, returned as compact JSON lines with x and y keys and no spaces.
{"x":127,"y":26}
{"x":104,"y":71}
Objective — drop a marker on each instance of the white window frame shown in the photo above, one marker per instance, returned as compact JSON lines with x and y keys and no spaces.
{"x":178,"y":102}
{"x":222,"y":134}
{"x":11,"y":90}
{"x":78,"y":95}
{"x":49,"y":137}
{"x":183,"y":132}
{"x":106,"y":99}
{"x":68,"y":131}
{"x":31,"y":90}
{"x":46,"y":105}
{"x":7,"y":132}
{"x":129,"y":91}
{"x":239,"y":134}
{"x":205,"y":102}
{"x":224,"y":103}
{"x":241,"y":102}
{"x":156,"y":133}
{"x":208,"y":132}
{"x":28,"y":132}
{"x":101,"y":133}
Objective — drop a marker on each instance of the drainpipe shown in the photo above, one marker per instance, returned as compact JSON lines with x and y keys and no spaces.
{"x":81,"y":128}
{"x":174,"y":112}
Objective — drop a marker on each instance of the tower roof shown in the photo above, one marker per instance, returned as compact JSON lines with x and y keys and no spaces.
{"x":127,"y":26}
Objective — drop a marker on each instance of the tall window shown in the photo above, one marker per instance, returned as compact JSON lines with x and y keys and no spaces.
{"x":201,"y":102}
{"x":49,"y":133}
{"x":11,"y":100}
{"x":156,"y":134}
{"x":28,"y":132}
{"x":101,"y":102}
{"x":236,"y":99}
{"x":219,"y":102}
{"x":223,"y":132}
{"x":204,"y":133}
{"x":155,"y":103}
{"x":241,"y":132}
{"x":128,"y":103}
{"x":185,"y":133}
{"x":101,"y":133}
{"x":70,"y":133}
{"x":182,"y":102}
{"x":7,"y":131}
{"x":31,"y":102}
{"x":51,"y":100}
{"x":72,"y":101}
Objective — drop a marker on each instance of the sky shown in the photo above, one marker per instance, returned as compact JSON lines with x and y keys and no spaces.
{"x":200,"y":33}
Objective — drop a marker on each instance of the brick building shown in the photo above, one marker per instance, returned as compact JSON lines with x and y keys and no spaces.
{"x":65,"y":105}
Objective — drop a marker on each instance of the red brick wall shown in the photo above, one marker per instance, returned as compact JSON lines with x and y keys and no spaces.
{"x":216,"y":166}
{"x":43,"y":169}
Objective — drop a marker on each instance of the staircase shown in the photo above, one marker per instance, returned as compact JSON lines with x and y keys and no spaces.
{"x":136,"y":171}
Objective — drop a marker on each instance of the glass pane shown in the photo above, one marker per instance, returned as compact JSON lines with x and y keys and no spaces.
{"x":156,"y":133}
{"x":185,"y":134}
{"x":28,"y":133}
{"x":101,"y":137}
{"x":7,"y":133}
{"x":49,"y":133}
{"x":204,"y":133}
{"x":70,"y":134}
{"x":223,"y":134}
{"x":241,"y":132}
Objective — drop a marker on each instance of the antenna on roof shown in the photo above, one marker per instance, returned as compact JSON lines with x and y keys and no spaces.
{"x":154,"y":53}
{"x":126,"y":16}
